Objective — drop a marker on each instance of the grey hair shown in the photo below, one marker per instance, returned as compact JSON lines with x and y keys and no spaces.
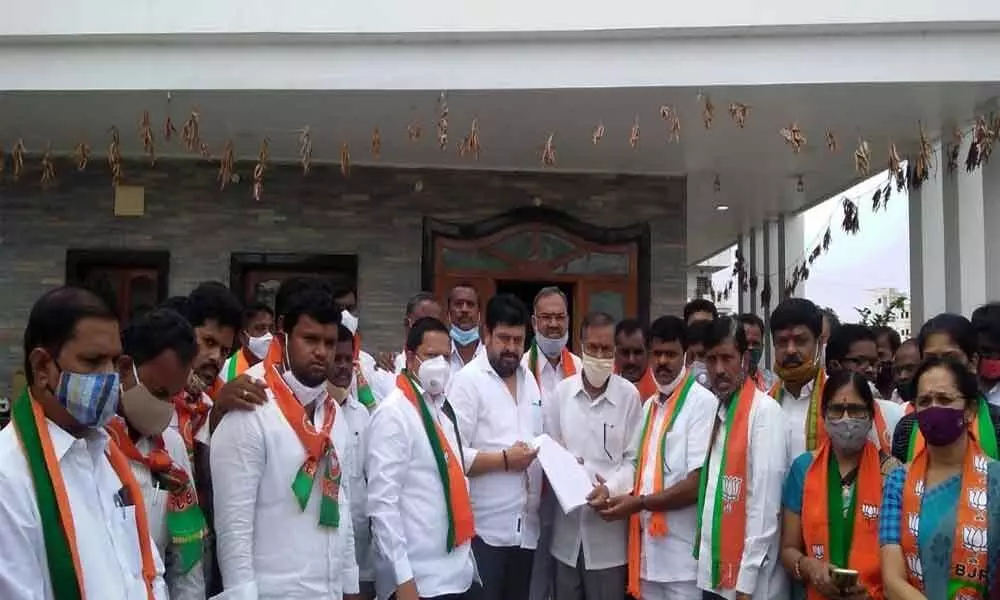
{"x":418,"y":299}
{"x":545,"y":292}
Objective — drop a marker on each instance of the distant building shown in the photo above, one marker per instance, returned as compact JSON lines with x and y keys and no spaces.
{"x":709,"y":278}
{"x":881,"y":298}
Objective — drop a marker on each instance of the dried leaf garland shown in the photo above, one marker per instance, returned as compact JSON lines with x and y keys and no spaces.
{"x":765,"y":293}
{"x":549,"y":151}
{"x":738,"y":112}
{"x":204,"y":152}
{"x":954,"y":150}
{"x":226,"y":166}
{"x":981,"y":144}
{"x":633,"y":136}
{"x":470,"y":143}
{"x":305,"y":149}
{"x":669,"y":114}
{"x":115,"y":157}
{"x":895,"y":166}
{"x":168,"y":129}
{"x":442,"y":123}
{"x":376,"y":144}
{"x":707,"y":110}
{"x":146,"y":135}
{"x":82,"y":154}
{"x":48,"y":168}
{"x":413,"y":131}
{"x":17,"y":159}
{"x":831,"y":141}
{"x":345,"y":160}
{"x":863,"y":158}
{"x":827,"y":238}
{"x":258,"y":171}
{"x":191,"y":132}
{"x":794,"y":137}
{"x":598,"y":134}
{"x":925,"y":158}
{"x":851,"y":223}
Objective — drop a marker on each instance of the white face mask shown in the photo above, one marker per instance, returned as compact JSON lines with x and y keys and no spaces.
{"x":305,"y":394}
{"x":258,"y":345}
{"x":433,"y":374}
{"x":669,"y":388}
{"x":597,"y":370}
{"x":349,"y":321}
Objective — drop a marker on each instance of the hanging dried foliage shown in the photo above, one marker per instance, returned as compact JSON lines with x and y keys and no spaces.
{"x":896,"y":167}
{"x":345,"y":160}
{"x":707,"y":110}
{"x":413,"y":131}
{"x":981,"y":144}
{"x":169,"y":131}
{"x":470,"y":144}
{"x":831,"y":141}
{"x":863,"y":158}
{"x":921,"y":168}
{"x":598,"y":134}
{"x":794,"y":137}
{"x":633,"y":136}
{"x":48,"y":168}
{"x":669,"y":114}
{"x":442,"y":123}
{"x":765,"y":293}
{"x":17,"y":159}
{"x":258,"y":171}
{"x":954,"y":150}
{"x":305,"y":150}
{"x":115,"y":157}
{"x":146,"y":136}
{"x":82,"y":154}
{"x":827,"y":238}
{"x":204,"y":152}
{"x":549,"y":151}
{"x":376,"y":144}
{"x":226,"y":166}
{"x":738,"y":112}
{"x":191,"y":132}
{"x":851,"y":223}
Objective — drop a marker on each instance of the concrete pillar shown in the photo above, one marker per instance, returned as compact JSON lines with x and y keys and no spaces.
{"x":775,"y":277}
{"x":964,"y":238}
{"x":746,"y":248}
{"x":794,"y":228}
{"x":927,"y":245}
{"x":991,"y":223}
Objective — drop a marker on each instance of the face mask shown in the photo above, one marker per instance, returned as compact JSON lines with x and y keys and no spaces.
{"x":146,"y":413}
{"x":906,"y":391}
{"x":805,"y":372}
{"x":941,"y":425}
{"x":462,"y":337}
{"x":90,"y":398}
{"x":848,"y":434}
{"x":433,"y":374}
{"x":305,"y":394}
{"x":349,"y":321}
{"x":989,"y":368}
{"x":258,"y":345}
{"x":597,"y":370}
{"x":551,"y":347}
{"x":755,"y":355}
{"x":338,"y":393}
{"x":669,"y":388}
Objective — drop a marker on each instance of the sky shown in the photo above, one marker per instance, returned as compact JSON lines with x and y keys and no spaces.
{"x":877,"y":256}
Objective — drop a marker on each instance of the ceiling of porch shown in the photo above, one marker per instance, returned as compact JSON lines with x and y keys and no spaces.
{"x":754,"y":165}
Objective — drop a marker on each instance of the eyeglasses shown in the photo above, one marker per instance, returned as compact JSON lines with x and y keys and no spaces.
{"x":863,"y":362}
{"x":854,"y":411}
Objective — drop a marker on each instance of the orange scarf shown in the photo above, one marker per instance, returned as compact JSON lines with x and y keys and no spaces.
{"x":657,"y":520}
{"x":968,"y":555}
{"x":729,"y":514}
{"x":860,"y":545}
{"x":192,"y":415}
{"x":461,"y":523}
{"x":565,"y":363}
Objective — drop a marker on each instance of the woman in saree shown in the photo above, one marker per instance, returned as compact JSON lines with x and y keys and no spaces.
{"x":935,"y":522}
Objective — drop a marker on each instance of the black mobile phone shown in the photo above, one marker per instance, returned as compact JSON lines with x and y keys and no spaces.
{"x":845,"y":579}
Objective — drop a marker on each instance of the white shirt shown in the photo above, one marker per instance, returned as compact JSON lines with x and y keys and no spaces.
{"x":182,"y":586}
{"x":760,"y":574}
{"x":992,"y":396}
{"x":357,"y":417}
{"x":550,"y":375}
{"x":406,"y":499}
{"x":490,"y":420}
{"x":380,"y":382}
{"x":268,"y":547}
{"x":106,"y":534}
{"x":592,"y":429}
{"x":456,"y":361}
{"x":669,"y":558}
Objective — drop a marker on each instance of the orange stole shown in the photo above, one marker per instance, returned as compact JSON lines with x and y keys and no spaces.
{"x":864,"y":551}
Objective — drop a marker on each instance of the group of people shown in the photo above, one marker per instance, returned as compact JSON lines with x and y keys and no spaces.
{"x":212,"y":450}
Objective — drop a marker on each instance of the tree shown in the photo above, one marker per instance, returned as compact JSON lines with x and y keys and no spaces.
{"x":887,"y":315}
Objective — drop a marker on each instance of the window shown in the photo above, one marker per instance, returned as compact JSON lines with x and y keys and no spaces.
{"x":255,"y":277}
{"x":131,"y":281}
{"x":703,"y":286}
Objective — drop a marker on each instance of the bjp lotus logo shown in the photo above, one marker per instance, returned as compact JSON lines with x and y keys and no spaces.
{"x":974,"y":539}
{"x":918,"y":489}
{"x":818,"y":551}
{"x":913,"y":523}
{"x":977,"y":498}
{"x":979,"y":463}
{"x":732,"y":486}
{"x":913,"y":564}
{"x":870,"y":512}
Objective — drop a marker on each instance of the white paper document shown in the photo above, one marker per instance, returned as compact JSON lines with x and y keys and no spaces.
{"x":567,"y":477}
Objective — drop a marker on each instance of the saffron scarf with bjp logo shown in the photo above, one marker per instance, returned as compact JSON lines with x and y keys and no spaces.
{"x":58,"y":531}
{"x":843,"y":536}
{"x":565,"y":362}
{"x":981,"y":428}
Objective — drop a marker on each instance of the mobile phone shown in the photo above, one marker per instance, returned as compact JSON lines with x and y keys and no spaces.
{"x":845,"y":578}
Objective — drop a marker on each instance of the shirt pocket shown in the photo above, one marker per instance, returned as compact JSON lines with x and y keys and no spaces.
{"x":675,"y":459}
{"x":609,"y":439}
{"x":124,"y":529}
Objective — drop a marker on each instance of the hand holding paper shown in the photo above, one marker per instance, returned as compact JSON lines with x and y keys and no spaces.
{"x":567,"y":477}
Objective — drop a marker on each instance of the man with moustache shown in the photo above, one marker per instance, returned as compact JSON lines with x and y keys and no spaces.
{"x":632,"y":357}
{"x":499,"y":412}
{"x":675,"y":432}
{"x":282,"y":508}
{"x":254,"y":338}
{"x":463,"y":314}
{"x":888,"y":341}
{"x":700,"y":309}
{"x":420,"y":305}
{"x":369,"y":384}
{"x":753,"y":327}
{"x":904,"y":365}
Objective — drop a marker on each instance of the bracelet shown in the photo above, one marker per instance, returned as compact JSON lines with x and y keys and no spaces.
{"x":798,"y":567}
{"x":505,"y":467}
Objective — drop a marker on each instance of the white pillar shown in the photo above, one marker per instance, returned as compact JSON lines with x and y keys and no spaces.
{"x":746,"y":251}
{"x":794,"y":227}
{"x":964,"y":237}
{"x":927,"y":245}
{"x":991,"y":222}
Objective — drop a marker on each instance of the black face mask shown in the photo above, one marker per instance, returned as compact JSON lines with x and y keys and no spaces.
{"x":906,"y":390}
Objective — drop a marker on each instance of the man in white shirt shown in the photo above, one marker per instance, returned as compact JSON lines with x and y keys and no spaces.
{"x":254,"y":338}
{"x":159,"y":347}
{"x":737,"y":546}
{"x":340,"y":378}
{"x":463,"y":314}
{"x":595,"y":416}
{"x":420,"y":305}
{"x":282,"y":509}
{"x":378,"y":384}
{"x":72,"y":517}
{"x":499,"y":413}
{"x":418,"y":496}
{"x":672,"y":445}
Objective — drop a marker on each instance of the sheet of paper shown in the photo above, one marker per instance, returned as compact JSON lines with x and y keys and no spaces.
{"x":567,"y":477}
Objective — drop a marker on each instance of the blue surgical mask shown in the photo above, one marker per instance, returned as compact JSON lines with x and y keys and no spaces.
{"x":90,"y":398}
{"x":551,"y":347}
{"x":462,"y":337}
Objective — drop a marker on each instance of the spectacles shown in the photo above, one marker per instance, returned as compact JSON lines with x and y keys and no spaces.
{"x":854,"y":411}
{"x":863,"y":362}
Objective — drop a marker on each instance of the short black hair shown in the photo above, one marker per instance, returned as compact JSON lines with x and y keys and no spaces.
{"x":54,"y":317}
{"x":256,"y":308}
{"x":986,"y":321}
{"x":506,"y":309}
{"x":466,"y":285}
{"x":792,"y":312}
{"x":420,"y":327}
{"x":312,"y":302}
{"x":416,"y":300}
{"x":831,"y":316}
{"x":700,"y":305}
{"x":668,"y":329}
{"x":344,"y":334}
{"x":156,"y":332}
{"x":178,"y":304}
{"x":697,"y":333}
{"x":214,"y":301}
{"x":725,"y":328}
{"x":837,"y":381}
{"x":629,"y":326}
{"x":290,"y":287}
{"x":965,"y":380}
{"x":752,"y":319}
{"x":595,"y":318}
{"x":956,"y":327}
{"x":891,"y":334}
{"x":843,"y":337}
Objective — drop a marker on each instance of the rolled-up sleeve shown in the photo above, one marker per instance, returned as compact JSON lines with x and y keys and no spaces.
{"x":768,"y":461}
{"x":237,"y":460}
{"x":386,"y":465}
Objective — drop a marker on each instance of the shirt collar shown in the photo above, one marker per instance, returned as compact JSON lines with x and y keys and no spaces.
{"x":62,"y":441}
{"x":608,"y":393}
{"x":479,"y":350}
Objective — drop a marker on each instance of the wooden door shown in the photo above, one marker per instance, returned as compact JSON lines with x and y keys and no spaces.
{"x":132,"y":292}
